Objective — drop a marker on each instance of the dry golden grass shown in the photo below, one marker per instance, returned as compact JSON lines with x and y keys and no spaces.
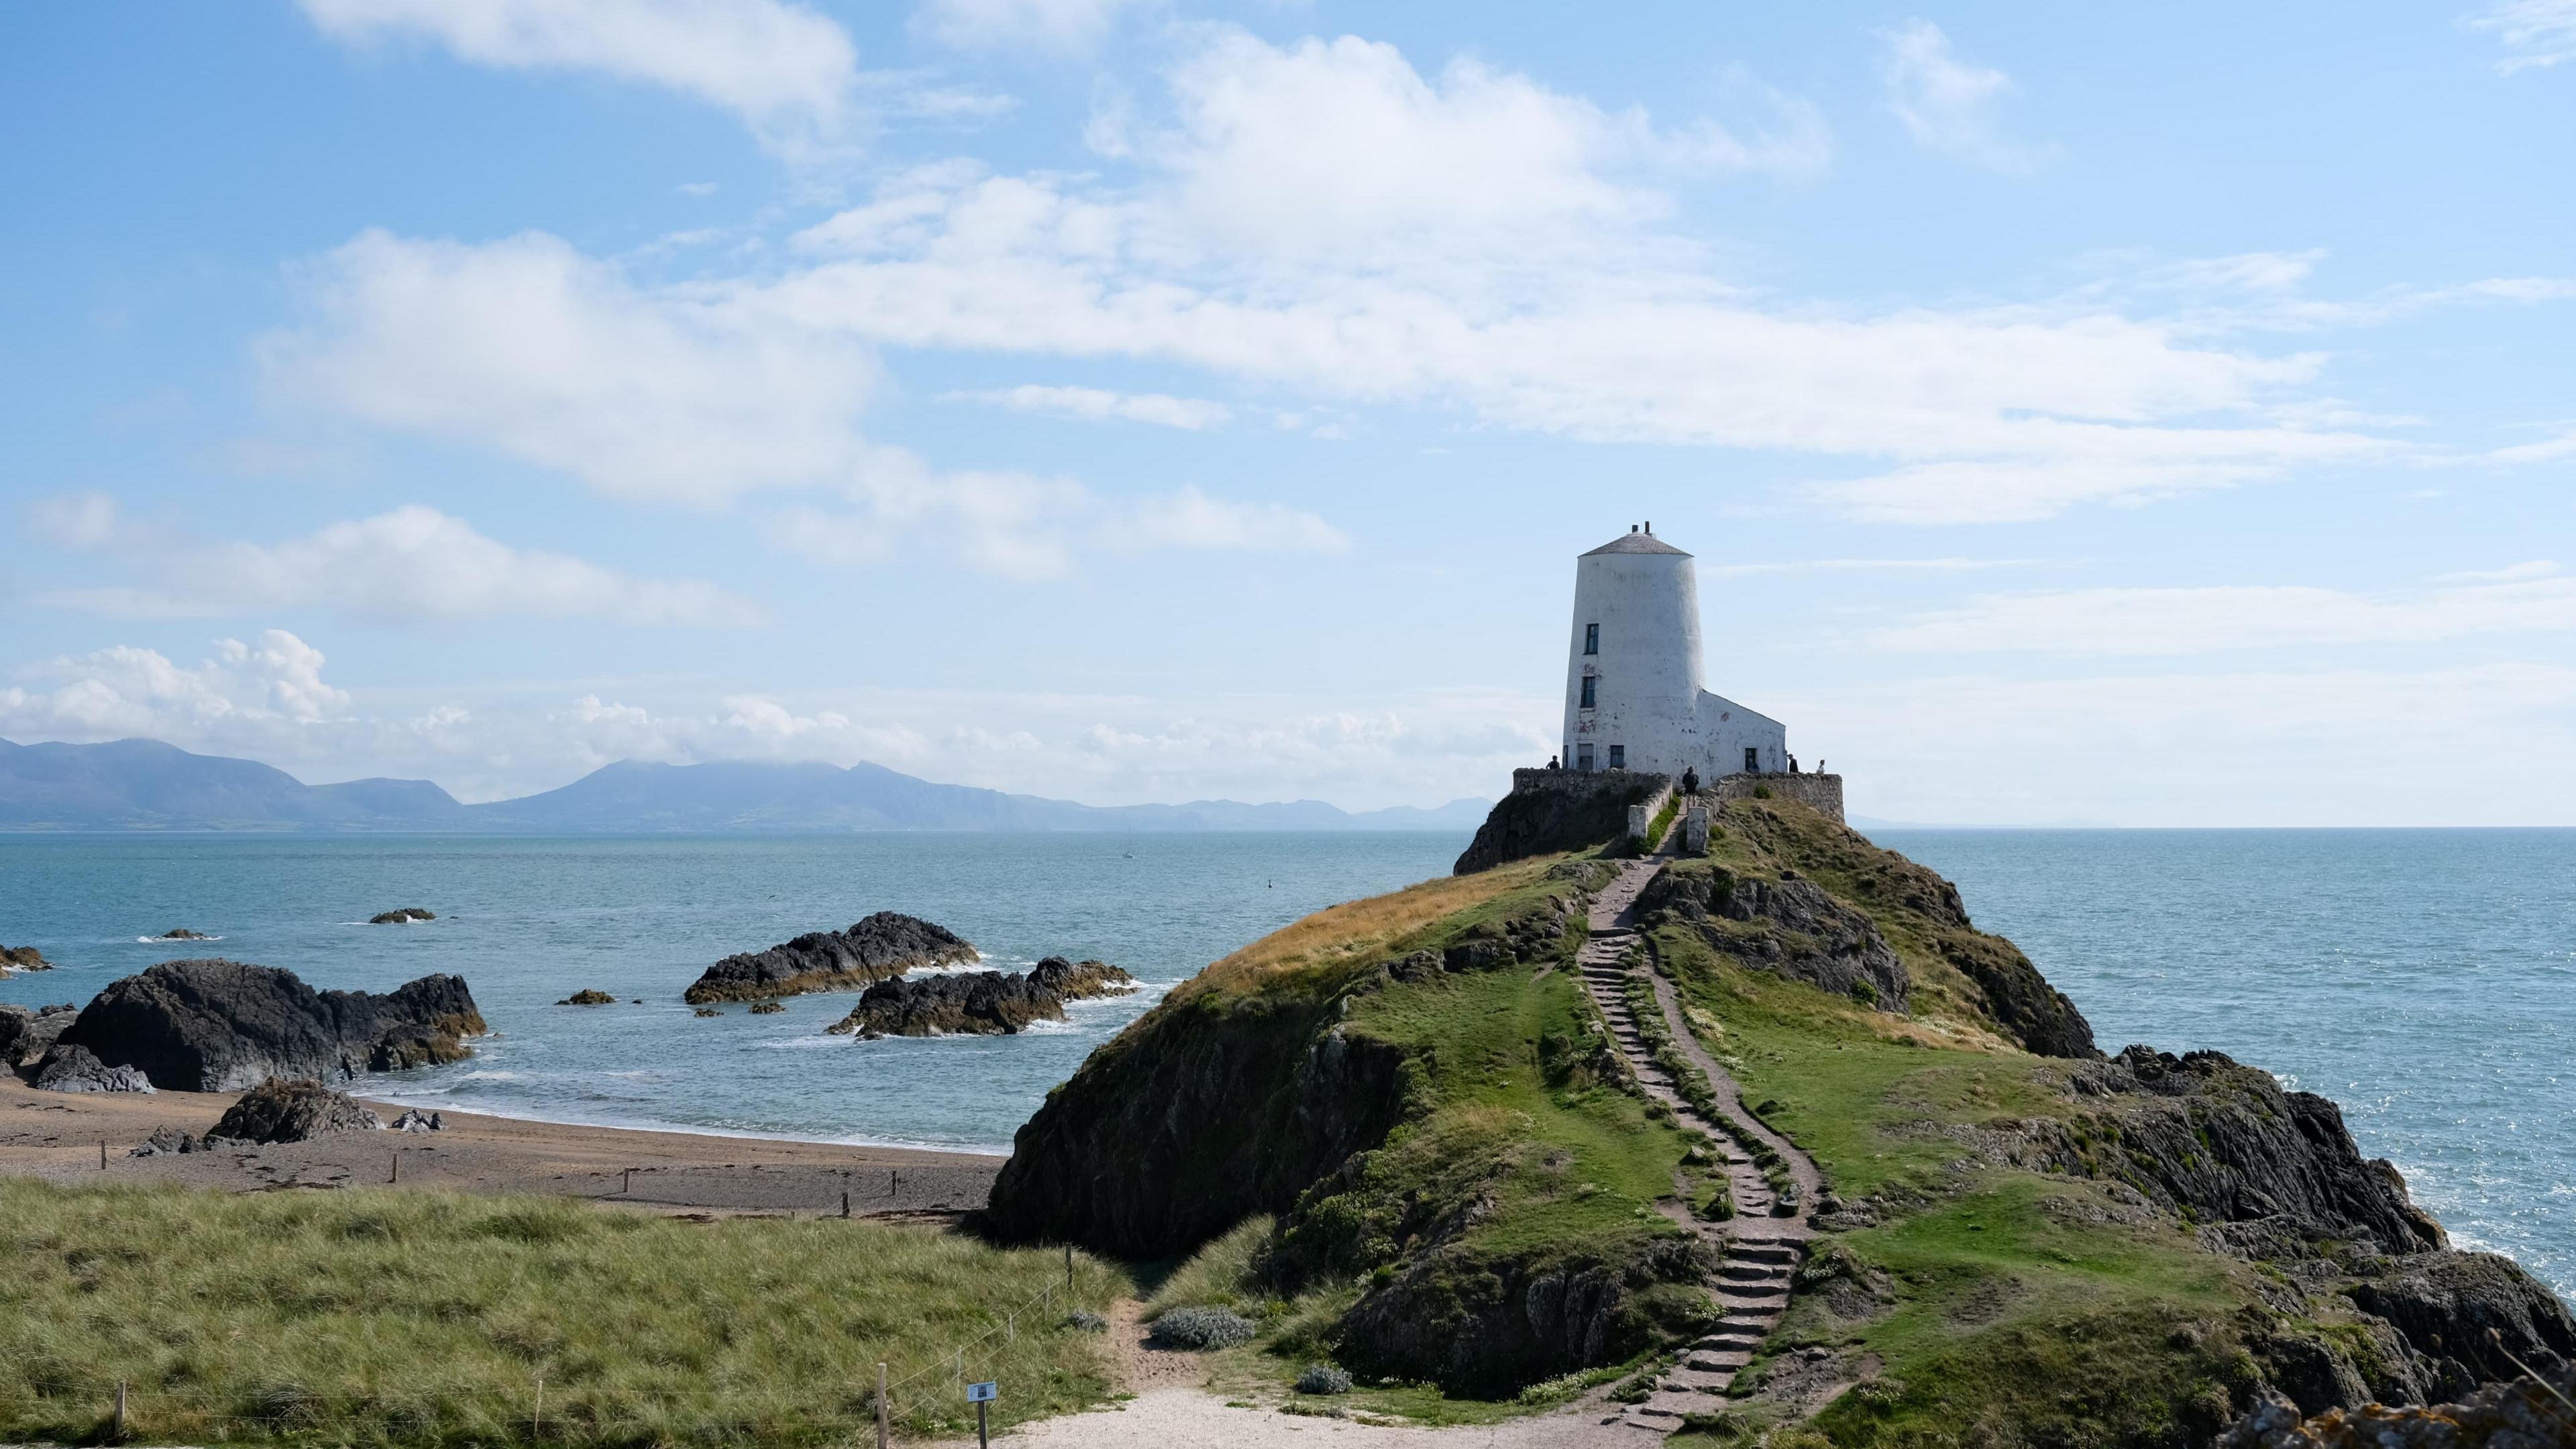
{"x":1360,"y":928}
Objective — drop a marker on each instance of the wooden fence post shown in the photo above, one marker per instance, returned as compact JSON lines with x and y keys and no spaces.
{"x":537,"y":1419}
{"x":120,"y":1409}
{"x":884,"y":1431}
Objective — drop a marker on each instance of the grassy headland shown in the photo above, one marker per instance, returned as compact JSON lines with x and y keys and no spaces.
{"x":409,"y":1318}
{"x":1413,"y":1152}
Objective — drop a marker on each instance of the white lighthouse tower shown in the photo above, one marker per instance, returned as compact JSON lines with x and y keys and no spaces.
{"x":1633,"y":695}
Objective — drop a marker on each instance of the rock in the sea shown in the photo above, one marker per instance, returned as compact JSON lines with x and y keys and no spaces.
{"x":884,"y":945}
{"x":182,"y":933}
{"x":770,"y":1007}
{"x":416,"y":1120}
{"x":221,"y":1026}
{"x":27,"y":1033}
{"x":69,"y":1068}
{"x":588,"y":997}
{"x":22,"y":958}
{"x":292,"y":1110}
{"x":967,"y":1002}
{"x":1074,"y":980}
{"x":402,"y":917}
{"x":707,"y":1011}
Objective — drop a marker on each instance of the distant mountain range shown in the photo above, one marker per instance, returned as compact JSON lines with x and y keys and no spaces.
{"x":147,"y":785}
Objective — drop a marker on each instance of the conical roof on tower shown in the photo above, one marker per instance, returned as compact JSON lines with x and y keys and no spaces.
{"x":1636,"y":542}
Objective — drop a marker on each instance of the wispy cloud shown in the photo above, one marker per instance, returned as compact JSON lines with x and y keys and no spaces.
{"x":1949,"y":104}
{"x":1093,"y":404}
{"x":2540,"y":33}
{"x":785,"y":69}
{"x":400,"y":567}
{"x":1876,"y":565}
{"x":1057,"y":25}
{"x":2525,"y":599}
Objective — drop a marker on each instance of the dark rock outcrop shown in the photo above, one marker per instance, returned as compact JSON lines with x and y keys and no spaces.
{"x":28,"y":1033}
{"x":69,"y":1068}
{"x":1207,"y":1110}
{"x":1075,"y":980}
{"x":2018,"y":997}
{"x":966,"y":1002}
{"x":221,"y":1026}
{"x":588,"y":996}
{"x":1568,"y":810}
{"x":22,"y":958}
{"x":292,"y":1110}
{"x":182,"y":933}
{"x":1488,"y":1328}
{"x":2523,"y":1413}
{"x":884,"y":945}
{"x":402,"y":917}
{"x":1796,"y":930}
{"x":2204,"y":1133}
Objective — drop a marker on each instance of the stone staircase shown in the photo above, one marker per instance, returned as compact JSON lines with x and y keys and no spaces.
{"x":1760,"y":1247}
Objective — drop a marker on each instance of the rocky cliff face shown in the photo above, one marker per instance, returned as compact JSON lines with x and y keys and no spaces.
{"x":1785,"y":926}
{"x":1204,"y":1112}
{"x":882,"y":946}
{"x":1569,"y":811}
{"x":221,"y":1026}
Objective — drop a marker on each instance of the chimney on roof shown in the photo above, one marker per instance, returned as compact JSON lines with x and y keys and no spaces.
{"x":1650,"y":525}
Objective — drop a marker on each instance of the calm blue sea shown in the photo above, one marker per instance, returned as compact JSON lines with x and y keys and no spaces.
{"x":2425,"y":979}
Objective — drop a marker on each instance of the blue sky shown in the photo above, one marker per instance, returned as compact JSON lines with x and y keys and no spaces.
{"x":2155,"y":418}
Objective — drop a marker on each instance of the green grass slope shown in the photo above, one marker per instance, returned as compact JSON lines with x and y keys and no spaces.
{"x":408,"y":1318}
{"x":1449,"y":1185}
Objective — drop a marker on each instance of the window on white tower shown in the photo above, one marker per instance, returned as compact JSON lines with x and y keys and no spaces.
{"x":1591,"y":638}
{"x":1618,"y":757}
{"x":1589,"y":681}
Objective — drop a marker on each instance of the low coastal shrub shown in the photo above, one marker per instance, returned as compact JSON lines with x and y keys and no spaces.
{"x":1199,"y":1327}
{"x":404,"y":1320}
{"x":1323,"y":1378}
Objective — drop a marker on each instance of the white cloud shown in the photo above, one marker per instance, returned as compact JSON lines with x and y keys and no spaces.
{"x":1061,"y":25}
{"x":785,"y":69}
{"x":2185,"y":621}
{"x":2539,"y":32}
{"x":124,"y":691}
{"x":1026,"y":527}
{"x":1189,"y":519}
{"x":1092,"y":403}
{"x":1342,"y":149}
{"x":409,"y":564}
{"x":527,"y":346}
{"x":74,"y":520}
{"x":1947,"y":103}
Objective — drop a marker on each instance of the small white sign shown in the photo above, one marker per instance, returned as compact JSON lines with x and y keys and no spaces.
{"x":983,"y":1393}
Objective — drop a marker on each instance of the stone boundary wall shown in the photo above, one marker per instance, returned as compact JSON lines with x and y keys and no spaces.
{"x":1570,"y":782}
{"x":1821,"y":793}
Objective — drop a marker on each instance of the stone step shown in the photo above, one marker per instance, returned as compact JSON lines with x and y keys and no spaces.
{"x":1762,"y":1250}
{"x":1691,"y":1378}
{"x":1749,"y":1274}
{"x":1719,"y":1361}
{"x":1725,"y":1339}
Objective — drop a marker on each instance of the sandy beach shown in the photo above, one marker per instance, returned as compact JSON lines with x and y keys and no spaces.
{"x":57,"y":1136}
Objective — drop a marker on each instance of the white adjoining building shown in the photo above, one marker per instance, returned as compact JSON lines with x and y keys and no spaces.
{"x":1633,"y":697}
